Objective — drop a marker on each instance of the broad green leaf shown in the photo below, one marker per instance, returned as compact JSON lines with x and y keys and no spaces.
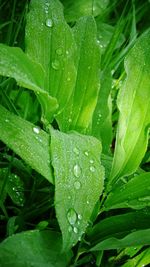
{"x":101,"y":123}
{"x":119,"y":226}
{"x":16,"y":64}
{"x":137,"y":238}
{"x":134,"y":194}
{"x":134,"y":108}
{"x":78,"y":113}
{"x":50,"y":42}
{"x":79,"y":179}
{"x":33,"y":248}
{"x":26,"y":140}
{"x":79,"y":8}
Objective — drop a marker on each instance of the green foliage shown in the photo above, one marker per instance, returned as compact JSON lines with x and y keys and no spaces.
{"x":74,"y":154}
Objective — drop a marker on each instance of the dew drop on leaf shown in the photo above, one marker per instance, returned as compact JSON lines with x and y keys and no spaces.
{"x":49,"y":23}
{"x":87,"y":202}
{"x":91,"y":161}
{"x":92,"y":168}
{"x":36,"y":129}
{"x":77,"y":170}
{"x":55,"y":64}
{"x":72,"y":216}
{"x":70,"y":229}
{"x":86,"y":153}
{"x":59,"y":51}
{"x":75,"y":229}
{"x":76,"y":151}
{"x":77,"y":185}
{"x":79,"y":216}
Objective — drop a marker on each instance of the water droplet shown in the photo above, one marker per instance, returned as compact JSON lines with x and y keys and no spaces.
{"x":79,"y":216}
{"x":72,"y":216}
{"x":76,"y":151}
{"x":69,"y":120}
{"x":69,"y":197}
{"x":92,"y":168}
{"x":59,"y":51}
{"x":55,"y":64}
{"x":91,"y":161}
{"x":75,"y":229}
{"x":36,"y":129}
{"x":77,"y":185}
{"x":70,"y":229}
{"x":87,"y":202}
{"x":49,"y":23}
{"x":86,"y":153}
{"x":6,"y":120}
{"x":67,"y":52}
{"x":77,"y":170}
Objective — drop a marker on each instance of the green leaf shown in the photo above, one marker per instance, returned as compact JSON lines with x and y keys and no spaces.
{"x":119,"y":226}
{"x":137,"y":238}
{"x":26,"y":140}
{"x":134,"y":194}
{"x":101,"y":123}
{"x":33,"y":248}
{"x":79,"y":179}
{"x":14,"y":63}
{"x":141,"y":259}
{"x":134,"y":107}
{"x":50,"y":42}
{"x":79,"y":8}
{"x":79,"y":111}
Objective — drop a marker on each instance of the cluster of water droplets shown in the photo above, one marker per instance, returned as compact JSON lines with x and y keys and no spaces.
{"x":74,"y":220}
{"x":36,"y":130}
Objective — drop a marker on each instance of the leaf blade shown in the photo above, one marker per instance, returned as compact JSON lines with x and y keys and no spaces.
{"x":78,"y":183}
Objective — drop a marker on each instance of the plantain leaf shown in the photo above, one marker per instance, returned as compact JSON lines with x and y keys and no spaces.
{"x":79,"y":179}
{"x":134,"y":107}
{"x":142,"y":259}
{"x":79,"y":111}
{"x":33,"y":248}
{"x":101,"y":123}
{"x":119,"y":226}
{"x":50,"y":42}
{"x":79,"y":8}
{"x":26,"y":140}
{"x":137,"y":238}
{"x":134,"y":194}
{"x":15,"y":63}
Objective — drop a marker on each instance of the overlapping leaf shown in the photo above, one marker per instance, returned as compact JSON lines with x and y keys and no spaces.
{"x":33,"y":248}
{"x":134,"y":107}
{"x":50,"y":42}
{"x":79,"y":179}
{"x":15,"y":63}
{"x":79,"y":111}
{"x":134,"y":194}
{"x":101,"y":123}
{"x":26,"y":140}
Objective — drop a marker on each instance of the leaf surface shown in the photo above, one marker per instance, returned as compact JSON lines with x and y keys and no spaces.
{"x":33,"y":248}
{"x":78,"y":113}
{"x":27,"y":141}
{"x":101,"y":123}
{"x":79,"y":179}
{"x":14,"y":63}
{"x":50,"y":42}
{"x":134,"y":194}
{"x":134,"y":108}
{"x":137,"y":238}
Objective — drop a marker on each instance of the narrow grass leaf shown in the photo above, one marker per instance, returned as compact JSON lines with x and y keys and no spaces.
{"x":26,"y":140}
{"x":14,"y":63}
{"x":142,"y":259}
{"x":134,"y":107}
{"x":33,"y":248}
{"x":79,"y":111}
{"x":134,"y":194}
{"x":101,"y":123}
{"x":50,"y":42}
{"x":137,"y":238}
{"x":79,"y":179}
